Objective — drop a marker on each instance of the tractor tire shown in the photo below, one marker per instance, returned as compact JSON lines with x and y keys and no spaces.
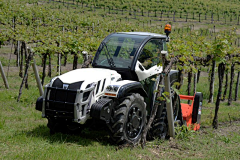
{"x":159,"y":127}
{"x":128,"y":120}
{"x":63,"y":127}
{"x":177,"y":111}
{"x":197,"y":108}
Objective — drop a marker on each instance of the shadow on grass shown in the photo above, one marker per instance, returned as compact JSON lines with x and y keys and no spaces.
{"x":88,"y":136}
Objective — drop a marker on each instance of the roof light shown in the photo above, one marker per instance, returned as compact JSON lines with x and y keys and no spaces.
{"x":167,"y":29}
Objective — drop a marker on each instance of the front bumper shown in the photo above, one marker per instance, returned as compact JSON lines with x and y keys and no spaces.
{"x":67,"y":103}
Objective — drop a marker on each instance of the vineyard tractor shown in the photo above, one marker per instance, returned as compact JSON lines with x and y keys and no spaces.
{"x":119,"y":92}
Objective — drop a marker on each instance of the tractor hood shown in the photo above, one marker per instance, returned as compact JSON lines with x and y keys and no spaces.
{"x":81,"y":78}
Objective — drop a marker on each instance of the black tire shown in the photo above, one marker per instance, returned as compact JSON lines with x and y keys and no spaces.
{"x":58,"y":125}
{"x":159,"y":127}
{"x":197,"y":108}
{"x":177,"y":111}
{"x":128,"y":120}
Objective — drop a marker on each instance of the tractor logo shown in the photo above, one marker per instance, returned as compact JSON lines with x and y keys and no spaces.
{"x":65,"y":86}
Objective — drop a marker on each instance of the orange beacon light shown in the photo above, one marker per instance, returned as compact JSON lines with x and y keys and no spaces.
{"x":167,"y":29}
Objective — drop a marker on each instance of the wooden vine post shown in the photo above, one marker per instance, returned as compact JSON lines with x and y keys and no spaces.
{"x":169,"y":106}
{"x":3,"y":76}
{"x":37,"y":78}
{"x":87,"y":59}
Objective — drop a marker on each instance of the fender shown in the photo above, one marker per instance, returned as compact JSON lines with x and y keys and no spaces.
{"x":120,"y":89}
{"x":131,"y":87}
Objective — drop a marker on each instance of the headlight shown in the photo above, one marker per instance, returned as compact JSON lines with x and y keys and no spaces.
{"x":115,"y":88}
{"x":109,"y":88}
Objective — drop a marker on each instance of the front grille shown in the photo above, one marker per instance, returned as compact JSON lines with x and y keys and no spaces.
{"x":69,"y":103}
{"x":103,"y":85}
{"x":98,"y":85}
{"x":60,"y":100}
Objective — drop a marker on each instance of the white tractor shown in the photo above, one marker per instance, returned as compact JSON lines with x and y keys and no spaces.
{"x":118,"y":90}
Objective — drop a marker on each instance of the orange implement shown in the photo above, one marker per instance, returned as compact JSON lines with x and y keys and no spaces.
{"x":187,"y":111}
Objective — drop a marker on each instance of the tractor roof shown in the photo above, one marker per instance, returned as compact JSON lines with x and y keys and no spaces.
{"x":144,"y":34}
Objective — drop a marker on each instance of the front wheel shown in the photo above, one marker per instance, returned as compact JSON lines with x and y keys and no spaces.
{"x":128,"y":120}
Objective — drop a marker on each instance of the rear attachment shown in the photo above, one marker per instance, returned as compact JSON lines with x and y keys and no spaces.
{"x":192,"y":112}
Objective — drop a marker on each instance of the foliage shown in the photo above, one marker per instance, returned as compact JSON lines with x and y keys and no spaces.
{"x":183,"y":132}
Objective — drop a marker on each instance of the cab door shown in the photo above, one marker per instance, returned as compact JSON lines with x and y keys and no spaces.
{"x":149,"y":59}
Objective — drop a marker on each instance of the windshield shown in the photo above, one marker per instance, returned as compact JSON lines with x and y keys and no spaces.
{"x":118,"y":50}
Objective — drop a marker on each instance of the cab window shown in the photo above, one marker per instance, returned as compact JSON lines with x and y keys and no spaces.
{"x":151,"y":53}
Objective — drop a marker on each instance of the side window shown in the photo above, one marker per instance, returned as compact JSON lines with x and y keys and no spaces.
{"x":164,"y":45}
{"x":151,"y":53}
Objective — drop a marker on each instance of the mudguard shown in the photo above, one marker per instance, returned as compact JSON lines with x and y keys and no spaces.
{"x":135,"y":87}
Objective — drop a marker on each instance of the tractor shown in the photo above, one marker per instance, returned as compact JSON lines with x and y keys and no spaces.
{"x":119,"y":90}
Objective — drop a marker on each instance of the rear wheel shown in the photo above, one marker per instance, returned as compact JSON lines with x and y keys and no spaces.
{"x":159,"y":128}
{"x":177,"y":111}
{"x":128,"y":120}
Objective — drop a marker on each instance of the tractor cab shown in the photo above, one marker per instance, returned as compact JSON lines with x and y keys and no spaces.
{"x":134,"y":55}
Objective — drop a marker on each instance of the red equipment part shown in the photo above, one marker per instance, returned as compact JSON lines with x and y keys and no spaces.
{"x":192,"y":113}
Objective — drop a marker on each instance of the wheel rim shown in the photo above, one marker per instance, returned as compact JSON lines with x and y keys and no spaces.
{"x":134,"y":123}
